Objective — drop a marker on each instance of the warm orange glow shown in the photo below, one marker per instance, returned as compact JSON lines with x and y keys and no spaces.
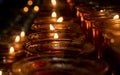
{"x":11,"y":51}
{"x":30,"y":2}
{"x":26,"y":9}
{"x":56,"y":36}
{"x":36,"y":8}
{"x":112,"y":40}
{"x":93,"y":32}
{"x":68,"y":1}
{"x":19,"y":69}
{"x":60,"y":19}
{"x":17,"y":39}
{"x":101,"y":10}
{"x":53,"y":2}
{"x":116,"y":17}
{"x":54,"y":14}
{"x":22,"y":34}
{"x":88,"y":24}
{"x":81,"y":17}
{"x":51,"y":27}
{"x":56,"y":43}
{"x":116,"y":26}
{"x":77,"y":13}
{"x":0,"y":72}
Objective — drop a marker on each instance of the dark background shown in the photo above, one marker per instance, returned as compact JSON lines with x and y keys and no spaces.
{"x":8,"y":10}
{"x":8,"y":7}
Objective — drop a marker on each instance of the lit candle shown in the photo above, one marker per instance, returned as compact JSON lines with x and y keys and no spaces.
{"x":36,"y":8}
{"x":22,"y":36}
{"x":116,"y":17}
{"x":50,"y":36}
{"x":56,"y":43}
{"x":30,"y":2}
{"x":25,"y":9}
{"x":56,"y":36}
{"x":53,"y":44}
{"x":51,"y":27}
{"x":51,"y":18}
{"x":17,"y":39}
{"x":56,"y":27}
{"x":11,"y":55}
{"x":0,"y":72}
{"x":60,"y":19}
{"x":54,"y":3}
{"x":17,"y":44}
{"x":54,"y":14}
{"x":11,"y":51}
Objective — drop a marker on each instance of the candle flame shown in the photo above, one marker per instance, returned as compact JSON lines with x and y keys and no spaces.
{"x":56,"y":36}
{"x":11,"y":50}
{"x":30,"y":2}
{"x":17,"y":39}
{"x":36,"y":8}
{"x":101,"y":10}
{"x":60,"y":19}
{"x":51,"y":27}
{"x":54,"y":14}
{"x":26,"y":9}
{"x":22,"y":34}
{"x":53,"y":2}
{"x":116,"y":17}
{"x":0,"y":72}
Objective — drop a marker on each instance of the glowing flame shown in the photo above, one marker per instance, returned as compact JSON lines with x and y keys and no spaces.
{"x":56,"y":36}
{"x":36,"y":8}
{"x":26,"y":9}
{"x":116,"y":17}
{"x":68,"y":1}
{"x":22,"y":34}
{"x":30,"y":2}
{"x":51,"y":27}
{"x":11,"y":50}
{"x":101,"y":10}
{"x":60,"y":19}
{"x":0,"y":72}
{"x":112,"y":40}
{"x":17,"y":39}
{"x":54,"y":14}
{"x":53,"y":2}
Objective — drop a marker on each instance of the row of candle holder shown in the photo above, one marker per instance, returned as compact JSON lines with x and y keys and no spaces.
{"x":11,"y":49}
{"x":101,"y":25}
{"x":48,"y":27}
{"x":95,"y":20}
{"x":48,"y":34}
{"x":56,"y":64}
{"x":56,"y":46}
